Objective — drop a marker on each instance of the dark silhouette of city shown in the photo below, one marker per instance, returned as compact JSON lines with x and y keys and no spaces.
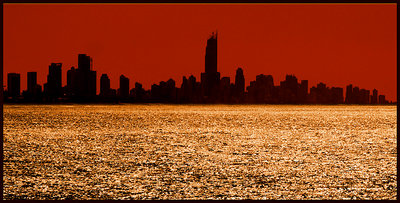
{"x":81,"y":88}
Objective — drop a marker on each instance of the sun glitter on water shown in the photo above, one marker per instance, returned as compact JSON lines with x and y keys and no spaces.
{"x":199,"y":152}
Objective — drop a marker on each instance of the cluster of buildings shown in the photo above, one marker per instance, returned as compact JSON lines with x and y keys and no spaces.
{"x":81,"y":87}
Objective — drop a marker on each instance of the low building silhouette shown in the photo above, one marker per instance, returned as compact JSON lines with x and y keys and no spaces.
{"x":261,"y":90}
{"x":13,"y":85}
{"x":165,"y":92}
{"x":138,"y":94}
{"x":382,"y":99}
{"x":289,"y":90}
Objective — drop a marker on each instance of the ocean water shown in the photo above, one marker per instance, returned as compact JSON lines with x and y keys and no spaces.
{"x":199,"y":152}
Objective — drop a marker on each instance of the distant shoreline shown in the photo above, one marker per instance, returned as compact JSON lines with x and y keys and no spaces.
{"x":208,"y":104}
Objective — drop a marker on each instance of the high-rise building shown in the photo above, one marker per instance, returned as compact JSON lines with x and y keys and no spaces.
{"x":289,"y":90}
{"x":349,"y":94}
{"x":31,"y":82}
{"x":72,"y":82}
{"x":261,"y":90}
{"x":87,"y":77}
{"x":224,"y":90}
{"x":356,"y":95}
{"x":337,"y":95}
{"x":13,"y":84}
{"x":123,"y":86}
{"x":239,"y":83}
{"x":364,"y":96}
{"x":53,"y":87}
{"x":81,"y":82}
{"x":104,"y":85}
{"x":374,"y":98}
{"x":33,"y":89}
{"x":211,"y":77}
{"x":211,"y":54}
{"x":303,"y":91}
{"x":85,"y":62}
{"x":138,"y":92}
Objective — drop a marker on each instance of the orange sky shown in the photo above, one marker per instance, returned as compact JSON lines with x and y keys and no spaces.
{"x":337,"y":44}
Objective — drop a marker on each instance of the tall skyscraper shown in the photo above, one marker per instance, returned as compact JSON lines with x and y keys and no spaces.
{"x":13,"y":84}
{"x":211,"y":77}
{"x":211,"y":54}
{"x":87,"y":77}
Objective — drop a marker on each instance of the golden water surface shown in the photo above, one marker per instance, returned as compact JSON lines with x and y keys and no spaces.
{"x":199,"y":152}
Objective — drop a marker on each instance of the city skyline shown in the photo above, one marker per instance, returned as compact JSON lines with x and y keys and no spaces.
{"x":212,"y":88}
{"x":347,"y":45}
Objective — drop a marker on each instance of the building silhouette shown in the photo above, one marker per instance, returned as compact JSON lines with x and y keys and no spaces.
{"x":303,"y":92}
{"x":87,"y":77}
{"x":123,"y":90}
{"x":13,"y":85}
{"x":289,"y":90}
{"x":31,"y":81}
{"x":211,"y":77}
{"x":34,"y":90}
{"x":72,"y":83}
{"x":364,"y":96}
{"x":224,"y":90}
{"x":184,"y":92}
{"x":138,"y":94}
{"x":81,"y":82}
{"x":374,"y":97}
{"x":336,"y":95}
{"x":104,"y":85}
{"x":349,"y":94}
{"x":356,"y":95}
{"x":53,"y":88}
{"x":382,"y":99}
{"x":239,"y":87}
{"x":261,"y":90}
{"x":164,"y":92}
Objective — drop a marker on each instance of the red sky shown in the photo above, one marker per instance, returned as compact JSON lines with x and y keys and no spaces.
{"x":338,"y":44}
